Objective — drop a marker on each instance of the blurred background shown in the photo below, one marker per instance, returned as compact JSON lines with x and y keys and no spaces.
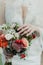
{"x":2,"y":18}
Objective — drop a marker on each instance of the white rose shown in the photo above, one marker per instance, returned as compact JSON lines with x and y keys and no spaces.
{"x":9,"y":36}
{"x":17,"y":35}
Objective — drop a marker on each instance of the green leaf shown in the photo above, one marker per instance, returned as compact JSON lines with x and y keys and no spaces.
{"x":8,"y":63}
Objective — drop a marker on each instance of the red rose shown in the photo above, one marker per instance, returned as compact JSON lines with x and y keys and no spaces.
{"x":24,"y":42}
{"x":22,"y":55}
{"x":0,"y":44}
{"x":19,"y":44}
{"x":17,"y":41}
{"x":33,"y":36}
{"x":5,"y":44}
{"x":16,"y":45}
{"x":3,"y":41}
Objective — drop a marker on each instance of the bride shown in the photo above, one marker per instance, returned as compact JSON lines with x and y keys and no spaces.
{"x":28,"y":14}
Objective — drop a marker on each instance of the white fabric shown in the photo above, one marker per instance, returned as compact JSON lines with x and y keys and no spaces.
{"x":34,"y":16}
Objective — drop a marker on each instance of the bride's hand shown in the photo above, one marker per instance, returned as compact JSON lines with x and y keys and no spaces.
{"x":27,"y":29}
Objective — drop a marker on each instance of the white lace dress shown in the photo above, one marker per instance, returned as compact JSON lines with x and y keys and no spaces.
{"x":13,"y":13}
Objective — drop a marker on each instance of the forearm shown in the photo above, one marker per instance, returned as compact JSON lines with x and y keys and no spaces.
{"x":1,"y":22}
{"x":24,"y":12}
{"x":2,"y":12}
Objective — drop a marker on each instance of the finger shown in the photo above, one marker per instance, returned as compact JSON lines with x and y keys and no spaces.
{"x":22,"y":27}
{"x":27,"y":31}
{"x":23,"y":30}
{"x":30,"y":33}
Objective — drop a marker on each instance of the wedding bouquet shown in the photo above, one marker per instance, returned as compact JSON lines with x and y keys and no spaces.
{"x":13,"y":43}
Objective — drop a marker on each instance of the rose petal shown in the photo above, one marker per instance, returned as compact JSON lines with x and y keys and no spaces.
{"x":25,"y":42}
